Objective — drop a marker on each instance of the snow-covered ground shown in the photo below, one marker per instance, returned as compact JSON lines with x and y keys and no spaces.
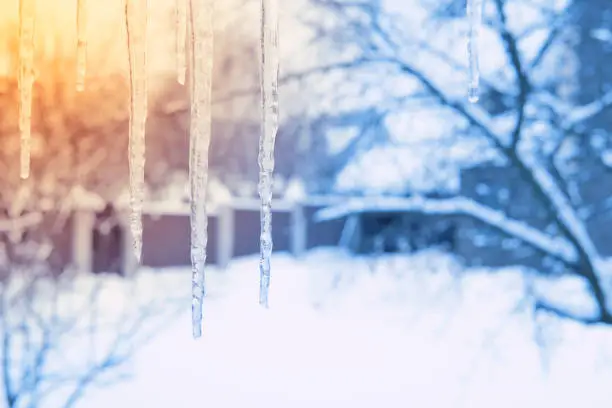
{"x":350,"y":332}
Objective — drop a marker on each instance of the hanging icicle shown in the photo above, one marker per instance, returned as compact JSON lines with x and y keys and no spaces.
{"x":269,"y":101}
{"x":474,"y":16}
{"x":136,"y":13}
{"x":27,"y":20}
{"x":181,"y":37}
{"x":201,"y":42}
{"x":81,"y":45}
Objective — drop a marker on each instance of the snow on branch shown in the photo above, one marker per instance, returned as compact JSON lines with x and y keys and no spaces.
{"x":582,"y":113}
{"x":21,"y":223}
{"x":574,"y":115}
{"x":557,"y":247}
{"x":568,"y":314}
{"x":563,"y":209}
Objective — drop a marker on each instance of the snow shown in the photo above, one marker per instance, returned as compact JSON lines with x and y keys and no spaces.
{"x":425,"y":154}
{"x":84,"y":199}
{"x":17,"y":225}
{"x":606,"y":157}
{"x":339,"y":139}
{"x":422,"y":165}
{"x":602,"y":34}
{"x":352,"y":332}
{"x":564,"y":209}
{"x":553,"y":245}
{"x":173,"y":197}
{"x":571,"y":293}
{"x":438,"y":51}
{"x":219,"y":192}
{"x":582,"y":113}
{"x":398,"y":170}
{"x":295,"y":191}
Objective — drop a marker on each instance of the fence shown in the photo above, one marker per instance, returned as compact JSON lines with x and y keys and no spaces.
{"x":233,"y":230}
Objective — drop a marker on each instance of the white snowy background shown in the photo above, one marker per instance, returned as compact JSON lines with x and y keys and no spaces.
{"x":420,"y":329}
{"x":350,"y":332}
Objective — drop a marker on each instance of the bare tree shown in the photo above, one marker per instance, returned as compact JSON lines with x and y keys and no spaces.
{"x":235,"y":113}
{"x":61,"y":334}
{"x":524,"y":116}
{"x":63,"y":337}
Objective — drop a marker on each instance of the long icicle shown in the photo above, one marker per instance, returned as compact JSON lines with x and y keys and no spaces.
{"x":27,"y":21}
{"x":201,"y":42}
{"x":81,"y":45}
{"x":269,"y":101}
{"x":181,"y":37}
{"x":474,"y":16}
{"x":136,"y":13}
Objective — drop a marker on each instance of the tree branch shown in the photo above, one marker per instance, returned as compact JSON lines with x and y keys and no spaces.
{"x":7,"y":381}
{"x":516,"y":63}
{"x":556,"y":247}
{"x":541,"y":305}
{"x":581,"y":114}
{"x":545,"y":188}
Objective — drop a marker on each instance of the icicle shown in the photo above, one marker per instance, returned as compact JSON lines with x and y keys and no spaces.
{"x":201,"y":41}
{"x":474,"y":15}
{"x":136,"y":22}
{"x":181,"y":36}
{"x":269,"y":100}
{"x":27,"y":19}
{"x":81,"y":44}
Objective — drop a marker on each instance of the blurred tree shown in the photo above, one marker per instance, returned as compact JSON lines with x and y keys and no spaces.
{"x":236,"y":113}
{"x":79,"y":141}
{"x":407,"y":59}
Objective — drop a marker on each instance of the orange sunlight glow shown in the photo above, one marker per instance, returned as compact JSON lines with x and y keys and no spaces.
{"x":105,"y":32}
{"x":62,"y":44}
{"x":55,"y":100}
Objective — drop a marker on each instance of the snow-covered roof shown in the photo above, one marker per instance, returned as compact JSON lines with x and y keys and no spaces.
{"x":295,"y":190}
{"x":84,"y":199}
{"x":173,"y":198}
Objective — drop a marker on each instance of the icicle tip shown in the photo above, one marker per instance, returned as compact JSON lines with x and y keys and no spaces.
{"x":197,"y":331}
{"x":473,"y":96}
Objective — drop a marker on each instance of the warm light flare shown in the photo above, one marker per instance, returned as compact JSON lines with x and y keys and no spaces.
{"x":61,"y":32}
{"x":26,"y":79}
{"x":81,"y":44}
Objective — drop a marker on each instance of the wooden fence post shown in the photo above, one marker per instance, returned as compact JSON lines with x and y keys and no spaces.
{"x":82,"y":239}
{"x":299,"y":230}
{"x":128,"y":257}
{"x":351,"y":237}
{"x":225,"y":235}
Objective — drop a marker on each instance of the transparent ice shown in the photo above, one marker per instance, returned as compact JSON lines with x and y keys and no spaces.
{"x":181,"y":37}
{"x":136,"y":14}
{"x":269,"y":101}
{"x":201,"y":42}
{"x":474,"y":15}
